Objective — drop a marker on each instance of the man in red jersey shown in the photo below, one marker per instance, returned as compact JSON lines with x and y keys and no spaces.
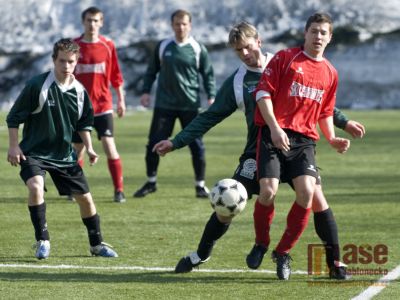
{"x":296,"y":91}
{"x":97,"y":68}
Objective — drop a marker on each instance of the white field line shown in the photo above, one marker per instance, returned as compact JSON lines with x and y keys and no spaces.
{"x":379,"y":285}
{"x":136,"y":268}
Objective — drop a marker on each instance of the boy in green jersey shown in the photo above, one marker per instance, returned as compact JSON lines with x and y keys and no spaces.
{"x":52,"y":106}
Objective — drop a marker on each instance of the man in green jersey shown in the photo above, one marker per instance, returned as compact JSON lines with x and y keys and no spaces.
{"x":236,"y":92}
{"x":179,"y":62}
{"x":52,"y":106}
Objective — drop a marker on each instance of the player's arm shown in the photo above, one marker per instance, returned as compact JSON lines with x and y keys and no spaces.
{"x":15,"y":154}
{"x":87,"y":141}
{"x":150,"y":76}
{"x":207,"y":73}
{"x":121,"y":107}
{"x":340,"y":144}
{"x":354,"y":128}
{"x":278,"y":136}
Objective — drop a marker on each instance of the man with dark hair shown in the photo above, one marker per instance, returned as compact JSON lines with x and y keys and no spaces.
{"x":179,"y":62}
{"x":97,"y":69}
{"x":296,"y":92}
{"x":52,"y":106}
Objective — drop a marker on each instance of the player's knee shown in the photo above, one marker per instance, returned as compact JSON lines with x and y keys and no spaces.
{"x":267,"y":195}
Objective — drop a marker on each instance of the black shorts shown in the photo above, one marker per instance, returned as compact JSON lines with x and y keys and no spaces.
{"x":246,"y":174}
{"x":275,"y":163}
{"x":104,"y":126}
{"x":68,"y":180}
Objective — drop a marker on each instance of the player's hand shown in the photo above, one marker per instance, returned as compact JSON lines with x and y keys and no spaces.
{"x":121,"y":109}
{"x":93,"y":157}
{"x":163,"y":147}
{"x":280,"y":139}
{"x":355,"y":129}
{"x":15,"y":155}
{"x":340,"y":144}
{"x":145,"y":100}
{"x":210,"y":101}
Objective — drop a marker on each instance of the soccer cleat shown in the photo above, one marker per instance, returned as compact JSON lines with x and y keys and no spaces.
{"x":202,"y":192}
{"x":282,"y":261}
{"x":187,"y":263}
{"x":338,"y":271}
{"x":119,"y":197}
{"x":104,"y":250}
{"x":42,"y":249}
{"x":147,"y":188}
{"x":256,"y":255}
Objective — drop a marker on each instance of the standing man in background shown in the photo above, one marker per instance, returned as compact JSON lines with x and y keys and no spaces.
{"x":178,"y":61}
{"x":97,"y":68}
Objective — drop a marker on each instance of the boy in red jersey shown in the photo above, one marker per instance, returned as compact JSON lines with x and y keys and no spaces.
{"x":296,"y":91}
{"x":97,"y":68}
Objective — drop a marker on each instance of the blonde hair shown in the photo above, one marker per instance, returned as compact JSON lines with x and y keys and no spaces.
{"x":241,"y":32}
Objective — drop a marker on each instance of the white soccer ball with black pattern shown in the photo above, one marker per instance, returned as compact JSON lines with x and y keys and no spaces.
{"x":228,"y":197}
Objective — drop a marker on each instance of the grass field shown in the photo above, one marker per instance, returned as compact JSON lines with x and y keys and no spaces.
{"x":153,"y":233}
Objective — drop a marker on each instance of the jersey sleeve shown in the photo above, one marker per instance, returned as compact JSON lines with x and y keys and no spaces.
{"x":86,"y":120}
{"x":269,"y":81}
{"x":223,"y":106}
{"x":25,"y":104}
{"x":339,"y":118}
{"x":116,"y":74}
{"x":152,"y":69}
{"x":330,"y":100}
{"x":207,"y":72}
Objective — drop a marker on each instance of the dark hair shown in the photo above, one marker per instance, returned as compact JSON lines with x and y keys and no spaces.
{"x":180,"y":13}
{"x":320,"y":17}
{"x":93,"y":10}
{"x":67,"y":45}
{"x":241,"y":32}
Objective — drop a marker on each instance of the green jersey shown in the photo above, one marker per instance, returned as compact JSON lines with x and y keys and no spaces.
{"x":50,"y":114}
{"x":179,"y":67}
{"x":236,"y":92}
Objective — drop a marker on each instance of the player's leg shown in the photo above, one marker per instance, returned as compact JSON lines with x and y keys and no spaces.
{"x":104,"y":125}
{"x":71,"y":180}
{"x":162,"y":125}
{"x":197,"y":151}
{"x":269,"y":168}
{"x":32,"y":173}
{"x":326,"y":228}
{"x":217,"y":225}
{"x":299,"y":166}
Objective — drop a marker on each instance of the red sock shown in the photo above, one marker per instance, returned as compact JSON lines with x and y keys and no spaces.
{"x":81,"y":162}
{"x":263,"y":216}
{"x":297,"y":220}
{"x":115,"y":167}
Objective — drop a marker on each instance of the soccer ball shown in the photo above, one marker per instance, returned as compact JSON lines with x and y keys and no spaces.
{"x":228,"y":197}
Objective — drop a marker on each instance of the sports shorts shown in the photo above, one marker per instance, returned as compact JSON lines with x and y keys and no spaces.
{"x":246,"y":174}
{"x":104,"y":126}
{"x":68,"y":180}
{"x":285,"y":165}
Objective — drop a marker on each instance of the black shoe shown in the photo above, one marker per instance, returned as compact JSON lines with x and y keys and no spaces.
{"x":256,"y":255}
{"x":202,"y":192}
{"x":187,"y":263}
{"x":338,"y":271}
{"x":282,"y":261}
{"x":147,"y":188}
{"x":119,"y":197}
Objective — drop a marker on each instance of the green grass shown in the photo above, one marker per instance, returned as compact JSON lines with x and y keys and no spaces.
{"x":361,"y":186}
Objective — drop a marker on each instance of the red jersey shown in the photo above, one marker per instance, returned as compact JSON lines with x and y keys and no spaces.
{"x":302,"y":91}
{"x":97,"y":68}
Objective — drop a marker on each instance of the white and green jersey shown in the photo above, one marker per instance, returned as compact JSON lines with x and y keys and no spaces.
{"x":235,"y":93}
{"x":179,"y":66}
{"x":50,"y":114}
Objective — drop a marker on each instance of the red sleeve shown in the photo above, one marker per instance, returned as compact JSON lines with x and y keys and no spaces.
{"x":330,"y":100}
{"x":116,"y":74}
